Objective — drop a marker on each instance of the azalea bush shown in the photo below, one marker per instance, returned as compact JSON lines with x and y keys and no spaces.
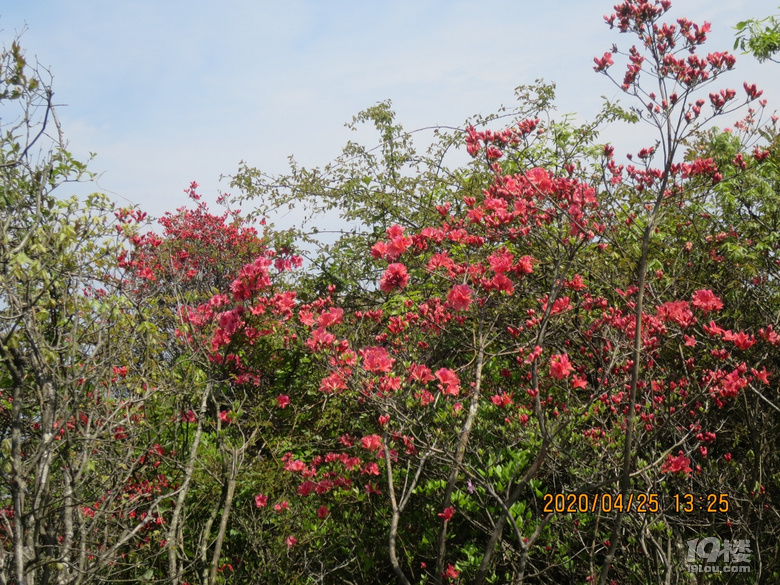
{"x":559,"y":332}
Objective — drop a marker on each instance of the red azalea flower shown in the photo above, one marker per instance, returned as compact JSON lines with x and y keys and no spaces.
{"x":376,"y":359}
{"x":332,"y":317}
{"x":459,"y":297}
{"x":448,"y":381}
{"x":706,"y":301}
{"x":396,"y":276}
{"x":681,"y":463}
{"x":420,"y":373}
{"x":447,"y":514}
{"x":371,"y":442}
{"x":560,"y":367}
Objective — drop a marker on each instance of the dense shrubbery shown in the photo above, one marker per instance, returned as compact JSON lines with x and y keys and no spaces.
{"x":544,"y":327}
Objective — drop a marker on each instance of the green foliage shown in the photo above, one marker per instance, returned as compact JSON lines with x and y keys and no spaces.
{"x":759,"y":37}
{"x":72,"y":361}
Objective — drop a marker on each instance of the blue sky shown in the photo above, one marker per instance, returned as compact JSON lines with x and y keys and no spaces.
{"x":170,"y":91}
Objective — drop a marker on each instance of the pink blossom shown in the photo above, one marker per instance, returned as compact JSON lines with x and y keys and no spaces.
{"x":119,"y":371}
{"x":501,"y":400}
{"x":420,"y":373}
{"x":447,"y":514}
{"x":531,"y":358}
{"x":451,"y":572}
{"x":448,"y":381}
{"x":389,"y":384}
{"x":681,"y":463}
{"x":525,"y":265}
{"x":751,"y":90}
{"x":376,"y":359}
{"x":459,"y":297}
{"x":282,"y":401}
{"x":379,"y":250}
{"x":261,"y":501}
{"x":230,"y":321}
{"x":540,"y":179}
{"x":729,"y":384}
{"x":576,"y":283}
{"x":425,"y":397}
{"x":396,"y":276}
{"x":501,"y":283}
{"x":332,"y":317}
{"x":713,"y":329}
{"x":320,"y":338}
{"x":440,"y":260}
{"x":501,"y":261}
{"x":371,"y":442}
{"x":306,"y":488}
{"x":604,"y":62}
{"x":560,"y":367}
{"x":678,"y":312}
{"x":762,"y":376}
{"x":741,"y":339}
{"x":333,"y":383}
{"x":370,"y":469}
{"x":579,"y":382}
{"x":706,"y":300}
{"x":398,"y":242}
{"x":295,"y":466}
